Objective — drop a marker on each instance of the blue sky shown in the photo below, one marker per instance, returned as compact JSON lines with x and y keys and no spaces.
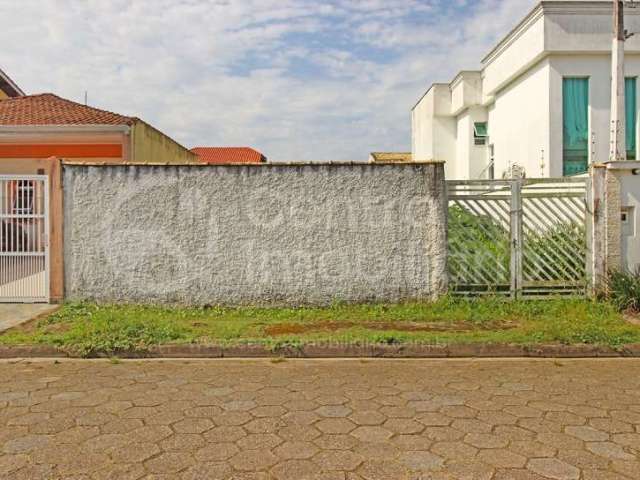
{"x":297,"y":79}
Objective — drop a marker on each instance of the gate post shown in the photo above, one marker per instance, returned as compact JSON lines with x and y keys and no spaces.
{"x":515,"y":227}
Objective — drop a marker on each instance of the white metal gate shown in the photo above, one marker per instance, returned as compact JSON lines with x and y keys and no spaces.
{"x":521,"y":237}
{"x":24,"y":238}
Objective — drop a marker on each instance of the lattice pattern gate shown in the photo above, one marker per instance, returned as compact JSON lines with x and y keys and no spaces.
{"x":519,"y":237}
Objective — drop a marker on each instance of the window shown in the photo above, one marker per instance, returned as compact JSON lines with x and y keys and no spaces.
{"x":480,"y":133}
{"x":631,"y":113}
{"x":23,"y":198}
{"x":575,"y":132}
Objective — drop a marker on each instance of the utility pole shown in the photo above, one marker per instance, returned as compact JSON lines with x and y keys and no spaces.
{"x":618,"y":151}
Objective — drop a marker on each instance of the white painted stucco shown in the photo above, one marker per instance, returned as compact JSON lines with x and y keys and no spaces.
{"x":519,"y":92}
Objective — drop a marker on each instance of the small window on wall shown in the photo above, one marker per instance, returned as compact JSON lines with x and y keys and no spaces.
{"x":480,"y":133}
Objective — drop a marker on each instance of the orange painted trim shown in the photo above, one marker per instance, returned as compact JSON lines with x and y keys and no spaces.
{"x":61,"y":150}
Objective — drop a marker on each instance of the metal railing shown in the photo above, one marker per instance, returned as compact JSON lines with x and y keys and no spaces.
{"x":24,"y":243}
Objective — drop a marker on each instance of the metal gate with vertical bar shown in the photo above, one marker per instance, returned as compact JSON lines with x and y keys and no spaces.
{"x":520,"y":237}
{"x":24,"y":238}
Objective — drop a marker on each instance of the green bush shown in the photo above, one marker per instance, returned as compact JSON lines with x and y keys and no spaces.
{"x":623,"y":290}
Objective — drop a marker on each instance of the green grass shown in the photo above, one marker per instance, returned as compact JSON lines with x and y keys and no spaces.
{"x":87,"y":329}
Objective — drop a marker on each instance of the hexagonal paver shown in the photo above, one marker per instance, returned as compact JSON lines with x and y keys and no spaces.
{"x":318,"y":420}
{"x":239,"y":405}
{"x":295,"y":470}
{"x":553,"y":468}
{"x":609,"y":450}
{"x":169,"y":463}
{"x":586,"y":433}
{"x":372,"y":434}
{"x":296,"y":450}
{"x":421,"y":461}
{"x":432,"y":419}
{"x":382,"y":470}
{"x":502,"y":458}
{"x":193,"y":425}
{"x":256,"y":441}
{"x":224,"y":434}
{"x":133,"y":454}
{"x":485,"y":440}
{"x":208,"y":471}
{"x":264,"y":425}
{"x":335,"y":425}
{"x":342,"y":460}
{"x":25,"y":444}
{"x":253,"y":460}
{"x":294,"y":433}
{"x":274,"y":411}
{"x":333,"y":411}
{"x":403,"y":426}
{"x":182,"y":442}
{"x":216,"y":452}
{"x":454,"y":450}
{"x":367,"y":418}
{"x":336,"y":442}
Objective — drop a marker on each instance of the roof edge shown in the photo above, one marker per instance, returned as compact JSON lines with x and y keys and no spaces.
{"x":4,"y":78}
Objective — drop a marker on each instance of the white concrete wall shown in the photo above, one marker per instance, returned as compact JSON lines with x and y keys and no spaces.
{"x":466,"y":91}
{"x":514,"y":57}
{"x":586,"y":30}
{"x":597,"y":67}
{"x":630,"y":201}
{"x":519,"y":123}
{"x":422,"y":117}
{"x":433,"y":132}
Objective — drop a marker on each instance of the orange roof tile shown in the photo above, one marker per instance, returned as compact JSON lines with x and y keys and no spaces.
{"x":49,"y":109}
{"x":222,"y":155}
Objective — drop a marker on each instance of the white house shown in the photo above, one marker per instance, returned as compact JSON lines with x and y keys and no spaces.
{"x":541,"y":101}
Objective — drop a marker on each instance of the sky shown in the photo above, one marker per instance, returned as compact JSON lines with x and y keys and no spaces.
{"x":300,"y":80}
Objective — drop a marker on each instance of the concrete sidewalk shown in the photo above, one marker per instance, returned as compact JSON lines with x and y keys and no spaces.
{"x":14,"y":314}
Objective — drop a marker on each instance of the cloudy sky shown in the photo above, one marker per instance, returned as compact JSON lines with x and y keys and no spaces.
{"x":297,"y":79}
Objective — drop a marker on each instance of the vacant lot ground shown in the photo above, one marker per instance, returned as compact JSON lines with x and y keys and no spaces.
{"x":321,"y":420}
{"x":88,"y":329}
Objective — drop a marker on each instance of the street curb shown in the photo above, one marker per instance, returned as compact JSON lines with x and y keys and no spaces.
{"x":345,"y":351}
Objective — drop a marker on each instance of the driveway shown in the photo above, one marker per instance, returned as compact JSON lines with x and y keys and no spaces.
{"x":321,"y":419}
{"x":14,"y":314}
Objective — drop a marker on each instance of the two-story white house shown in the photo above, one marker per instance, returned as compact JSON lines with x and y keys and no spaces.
{"x":541,"y":101}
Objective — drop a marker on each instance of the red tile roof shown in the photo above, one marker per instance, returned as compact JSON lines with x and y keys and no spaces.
{"x":222,"y":155}
{"x":49,"y":109}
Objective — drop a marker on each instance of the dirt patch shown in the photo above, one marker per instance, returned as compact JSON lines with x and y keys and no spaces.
{"x":320,"y":327}
{"x":632,"y":317}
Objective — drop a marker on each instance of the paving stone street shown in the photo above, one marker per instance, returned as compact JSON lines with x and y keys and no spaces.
{"x":320,"y":419}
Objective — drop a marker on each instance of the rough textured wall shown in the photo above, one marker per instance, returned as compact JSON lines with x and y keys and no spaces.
{"x":263,"y":234}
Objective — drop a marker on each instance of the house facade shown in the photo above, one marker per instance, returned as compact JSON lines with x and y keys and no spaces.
{"x":45,"y":125}
{"x":540,"y":104}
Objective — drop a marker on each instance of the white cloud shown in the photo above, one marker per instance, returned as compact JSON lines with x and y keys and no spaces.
{"x":228,"y":72}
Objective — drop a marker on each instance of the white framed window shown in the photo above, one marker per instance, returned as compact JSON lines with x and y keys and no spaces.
{"x":480,"y":133}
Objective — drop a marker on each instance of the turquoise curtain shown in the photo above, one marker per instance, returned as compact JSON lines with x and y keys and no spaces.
{"x":631,"y":116}
{"x":575,"y":107}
